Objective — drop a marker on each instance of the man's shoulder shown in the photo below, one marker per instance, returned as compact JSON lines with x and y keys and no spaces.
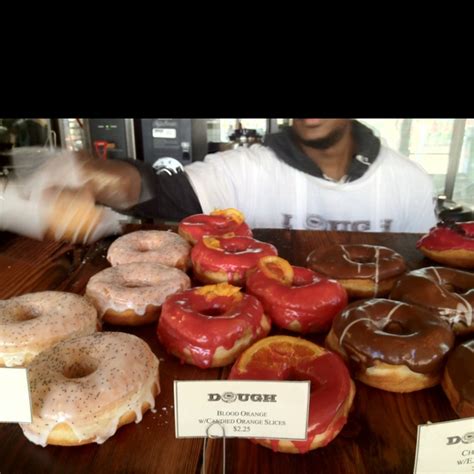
{"x":400,"y":162}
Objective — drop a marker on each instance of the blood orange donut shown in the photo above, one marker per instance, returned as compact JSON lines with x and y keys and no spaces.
{"x":292,"y":358}
{"x":210,"y":326}
{"x":218,"y":222}
{"x":296,"y":298}
{"x":444,"y":291}
{"x":450,"y":244}
{"x":227,"y":258}
{"x":365,"y":271}
{"x":458,"y":379}
{"x":392,"y":345}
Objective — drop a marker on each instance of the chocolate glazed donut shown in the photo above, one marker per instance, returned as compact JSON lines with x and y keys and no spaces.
{"x":458,"y":379}
{"x":392,"y":345}
{"x":363,"y":270}
{"x":445,"y":291}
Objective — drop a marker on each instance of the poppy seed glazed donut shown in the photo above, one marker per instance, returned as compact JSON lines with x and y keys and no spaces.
{"x":34,"y":322}
{"x":158,"y":246}
{"x":84,"y":389}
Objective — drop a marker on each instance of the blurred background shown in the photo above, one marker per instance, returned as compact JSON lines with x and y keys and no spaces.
{"x":443,"y":147}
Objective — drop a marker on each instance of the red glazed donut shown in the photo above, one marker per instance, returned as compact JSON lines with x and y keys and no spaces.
{"x":392,"y":345}
{"x":296,"y":298}
{"x":227,"y":258}
{"x":218,"y":222}
{"x":210,"y":326}
{"x":444,"y":291}
{"x":292,"y":358}
{"x":450,"y":244}
{"x":365,"y":271}
{"x":458,"y":379}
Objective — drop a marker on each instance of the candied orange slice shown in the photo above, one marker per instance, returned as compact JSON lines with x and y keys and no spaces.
{"x":234,"y":214}
{"x":277,"y":268}
{"x":272,"y":350}
{"x":220,"y":289}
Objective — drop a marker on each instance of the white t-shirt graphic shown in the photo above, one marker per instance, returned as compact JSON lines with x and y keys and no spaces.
{"x":394,"y":195}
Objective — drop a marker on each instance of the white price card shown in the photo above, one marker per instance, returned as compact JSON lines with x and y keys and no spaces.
{"x":446,"y":447}
{"x":243,"y":408}
{"x":15,"y":403}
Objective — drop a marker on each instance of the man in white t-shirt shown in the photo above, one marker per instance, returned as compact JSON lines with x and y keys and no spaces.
{"x":321,"y":174}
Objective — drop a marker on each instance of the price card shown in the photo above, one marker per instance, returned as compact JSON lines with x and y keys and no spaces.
{"x":15,"y":404}
{"x":446,"y":447}
{"x":243,"y":408}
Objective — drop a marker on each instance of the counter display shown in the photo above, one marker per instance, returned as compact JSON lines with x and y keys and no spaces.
{"x":379,"y":436}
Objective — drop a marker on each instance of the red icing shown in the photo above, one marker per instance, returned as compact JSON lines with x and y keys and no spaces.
{"x":235,"y":257}
{"x":330,"y":388}
{"x":312,"y":299}
{"x":200,"y":324}
{"x":444,"y":238}
{"x":200,"y":225}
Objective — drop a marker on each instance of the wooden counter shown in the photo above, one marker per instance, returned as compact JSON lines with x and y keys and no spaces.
{"x":380,"y":436}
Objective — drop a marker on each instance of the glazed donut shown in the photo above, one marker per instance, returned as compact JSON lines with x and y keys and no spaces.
{"x":132,"y":294}
{"x":32,"y":323}
{"x":84,"y":389}
{"x":296,"y":298}
{"x":292,"y":358}
{"x":154,"y":246}
{"x":210,"y":326}
{"x":444,"y":291}
{"x":74,"y":217}
{"x":391,"y":345}
{"x":227,"y":258}
{"x":365,"y":271}
{"x":218,"y":222}
{"x":450,"y":244}
{"x":458,"y":379}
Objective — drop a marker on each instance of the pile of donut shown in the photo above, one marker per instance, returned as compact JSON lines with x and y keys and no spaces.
{"x":387,"y":327}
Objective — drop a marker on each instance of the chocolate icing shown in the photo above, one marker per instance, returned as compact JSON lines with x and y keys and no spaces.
{"x":357,"y":262}
{"x":460,"y":368}
{"x":395,"y":333}
{"x":448,"y":292}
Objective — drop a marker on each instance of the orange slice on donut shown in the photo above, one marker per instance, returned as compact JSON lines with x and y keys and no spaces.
{"x":234,"y":214}
{"x":220,"y":289}
{"x":277,"y":268}
{"x":261,"y":354}
{"x":211,"y":243}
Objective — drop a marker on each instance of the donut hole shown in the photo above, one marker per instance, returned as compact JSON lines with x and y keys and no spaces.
{"x":213,"y":311}
{"x":25,"y":314}
{"x":134,"y":284}
{"x":80,"y":369}
{"x":142,"y":247}
{"x":362,"y":259}
{"x":394,"y":327}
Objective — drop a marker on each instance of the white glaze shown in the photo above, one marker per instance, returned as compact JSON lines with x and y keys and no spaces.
{"x":126,"y":371}
{"x":134,"y":286}
{"x":34,"y":322}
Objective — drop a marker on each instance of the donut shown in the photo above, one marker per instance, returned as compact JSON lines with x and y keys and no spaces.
{"x":32,"y":323}
{"x":154,"y":246}
{"x":84,"y":389}
{"x":218,"y":222}
{"x":391,"y":345}
{"x":73,"y":216}
{"x":210,"y":326}
{"x":444,"y":291}
{"x":296,"y":298}
{"x":291,"y":358}
{"x":451,"y":244}
{"x":220,"y":259}
{"x":458,"y":379}
{"x":132,"y":294}
{"x":365,"y":271}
